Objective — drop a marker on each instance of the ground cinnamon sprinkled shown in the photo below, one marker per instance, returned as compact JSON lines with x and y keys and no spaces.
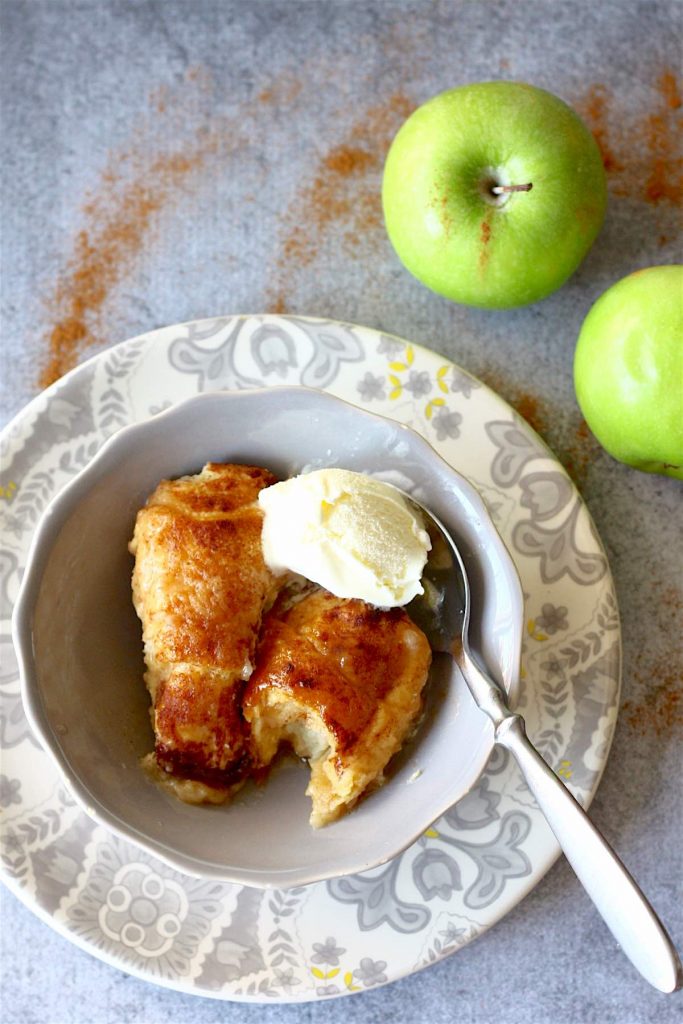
{"x":660,"y":710}
{"x":532,"y":408}
{"x":594,"y":110}
{"x":582,"y":452}
{"x":642,"y":158}
{"x":658,"y":706}
{"x":285,"y":91}
{"x":484,"y":239}
{"x":670,"y":91}
{"x":130,"y":198}
{"x":347,"y":160}
{"x":117,"y":220}
{"x":342,"y":198}
{"x":665,"y":180}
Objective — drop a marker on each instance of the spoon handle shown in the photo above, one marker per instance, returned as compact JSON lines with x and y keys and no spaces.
{"x":623,"y":906}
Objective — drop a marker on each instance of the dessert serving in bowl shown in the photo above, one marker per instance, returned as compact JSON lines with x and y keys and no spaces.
{"x":80,"y":649}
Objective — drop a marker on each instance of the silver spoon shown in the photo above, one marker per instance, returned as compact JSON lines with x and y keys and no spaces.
{"x":443,"y":612}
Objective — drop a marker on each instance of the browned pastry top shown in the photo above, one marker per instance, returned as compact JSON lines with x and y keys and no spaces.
{"x":200,"y":587}
{"x":340,"y":658}
{"x":210,"y":581}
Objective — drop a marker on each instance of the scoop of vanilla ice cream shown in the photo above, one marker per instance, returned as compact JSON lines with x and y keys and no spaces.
{"x":353,"y":535}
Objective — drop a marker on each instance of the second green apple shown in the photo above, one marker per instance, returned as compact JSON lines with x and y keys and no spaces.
{"x":493,"y":193}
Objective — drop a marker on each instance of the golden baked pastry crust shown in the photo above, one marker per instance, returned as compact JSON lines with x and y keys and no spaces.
{"x":341,"y":682}
{"x":200,"y":586}
{"x":337,"y":680}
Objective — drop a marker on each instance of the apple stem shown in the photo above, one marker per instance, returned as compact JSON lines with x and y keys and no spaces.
{"x":499,"y":190}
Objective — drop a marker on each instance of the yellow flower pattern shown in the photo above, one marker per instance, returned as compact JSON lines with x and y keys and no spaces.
{"x":534,"y":632}
{"x":400,"y":366}
{"x":8,"y":491}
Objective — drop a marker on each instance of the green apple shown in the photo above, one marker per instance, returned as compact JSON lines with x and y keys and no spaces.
{"x":628,"y":370}
{"x":493,"y":193}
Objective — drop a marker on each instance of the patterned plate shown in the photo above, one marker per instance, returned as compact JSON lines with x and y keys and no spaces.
{"x":477,"y":862}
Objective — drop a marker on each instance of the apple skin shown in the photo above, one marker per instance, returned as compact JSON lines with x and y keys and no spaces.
{"x":458,"y":238}
{"x":628,"y":370}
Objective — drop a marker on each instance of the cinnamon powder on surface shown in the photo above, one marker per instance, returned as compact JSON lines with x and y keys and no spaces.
{"x":658,"y":708}
{"x":533,"y":409}
{"x":342,"y":198}
{"x":643,"y":158}
{"x":135,"y":186}
{"x":117,"y":221}
{"x":593,"y":108}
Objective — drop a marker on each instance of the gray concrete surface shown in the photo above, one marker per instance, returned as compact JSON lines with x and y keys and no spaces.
{"x":257,"y":95}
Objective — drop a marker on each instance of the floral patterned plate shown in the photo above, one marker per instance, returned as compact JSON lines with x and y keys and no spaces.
{"x":470,"y":868}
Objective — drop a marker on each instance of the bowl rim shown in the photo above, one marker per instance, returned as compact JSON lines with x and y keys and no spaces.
{"x":54,"y":517}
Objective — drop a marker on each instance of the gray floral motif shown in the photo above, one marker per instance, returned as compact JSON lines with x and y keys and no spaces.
{"x":333,"y":344}
{"x":552,"y":619}
{"x":13,"y":856}
{"x":13,"y":725}
{"x":32,"y":497}
{"x":377,"y":901}
{"x":462,"y":383}
{"x":557,"y":550}
{"x":371,"y":386}
{"x":142,"y":912}
{"x":435,"y":873}
{"x":515,"y":449}
{"x":497,"y":859}
{"x":11,"y":842}
{"x":9,"y":668}
{"x":233,"y":957}
{"x":553,"y":666}
{"x":446,"y":940}
{"x":112,"y":405}
{"x":72,"y":418}
{"x":451,"y":934}
{"x":10,"y":791}
{"x":57,"y":865}
{"x":446,"y":424}
{"x":327,"y":952}
{"x":273,"y":350}
{"x":285,"y":979}
{"x":214,"y":367}
{"x":596,"y":702}
{"x":476,"y":809}
{"x":370,"y":972}
{"x":545,"y":494}
{"x":14,"y":728}
{"x":389,"y":347}
{"x":418,"y":383}
{"x":14,"y":525}
{"x":9,"y":566}
{"x":237,"y":953}
{"x":497,"y":762}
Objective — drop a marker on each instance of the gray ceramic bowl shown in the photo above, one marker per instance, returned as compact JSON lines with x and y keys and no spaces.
{"x":79,"y":642}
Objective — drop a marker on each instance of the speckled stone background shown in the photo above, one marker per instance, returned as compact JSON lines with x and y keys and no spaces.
{"x":232,"y":125}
